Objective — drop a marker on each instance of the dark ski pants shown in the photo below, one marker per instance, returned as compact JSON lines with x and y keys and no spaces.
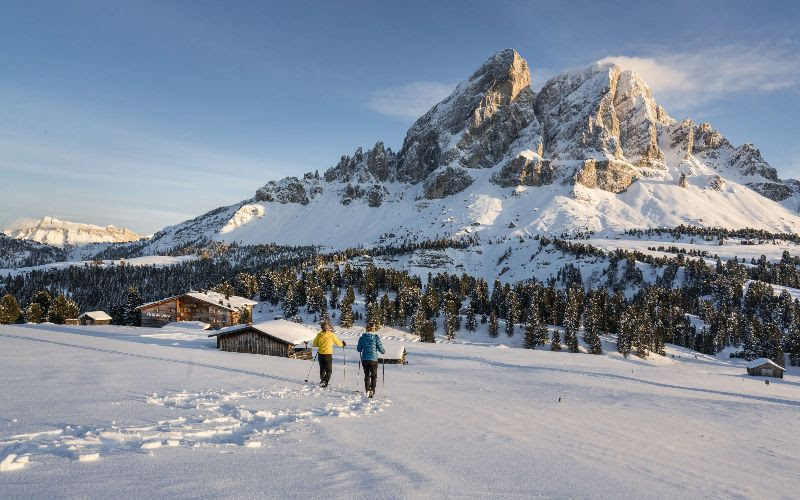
{"x":370,"y":375}
{"x":325,"y":367}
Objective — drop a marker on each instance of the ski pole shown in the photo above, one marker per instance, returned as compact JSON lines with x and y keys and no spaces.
{"x":310,"y":367}
{"x":383,"y":382}
{"x":344,"y":366}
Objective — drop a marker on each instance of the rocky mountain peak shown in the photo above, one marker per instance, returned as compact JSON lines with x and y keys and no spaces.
{"x":474,"y":126}
{"x":56,"y":232}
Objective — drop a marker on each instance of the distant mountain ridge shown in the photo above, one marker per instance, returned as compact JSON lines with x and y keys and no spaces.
{"x":60,"y":233}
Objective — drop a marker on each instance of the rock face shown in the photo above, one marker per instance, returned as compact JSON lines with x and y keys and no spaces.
{"x":476,"y":124}
{"x":601,"y":113}
{"x":446,"y":181}
{"x":60,"y":233}
{"x":288,"y":190}
{"x":747,"y":160}
{"x":773,"y":190}
{"x":716,"y":183}
{"x":378,"y":164}
{"x":527,"y":169}
{"x":608,"y":175}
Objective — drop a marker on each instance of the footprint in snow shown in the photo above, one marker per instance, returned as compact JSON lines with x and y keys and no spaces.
{"x":207,"y":418}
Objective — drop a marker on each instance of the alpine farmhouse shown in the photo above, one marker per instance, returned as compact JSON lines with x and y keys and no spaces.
{"x":213,"y":308}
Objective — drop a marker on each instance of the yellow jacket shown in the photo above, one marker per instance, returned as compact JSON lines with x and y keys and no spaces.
{"x":324,"y":342}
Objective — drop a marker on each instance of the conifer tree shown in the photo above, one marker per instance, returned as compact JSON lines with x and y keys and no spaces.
{"x":571,"y":322}
{"x":290,"y":308}
{"x":9,"y":309}
{"x":625,"y":334}
{"x":423,"y":327}
{"x":493,"y":325}
{"x":34,"y":313}
{"x":555,"y":344}
{"x":511,"y":307}
{"x":531,"y":340}
{"x":245,"y":316}
{"x":334,"y":300}
{"x":472,"y":322}
{"x":63,"y":308}
{"x":346,"y":315}
{"x":591,"y":326}
{"x":225,"y":289}
{"x":130,"y":316}
{"x":42,"y":297}
{"x":386,"y":316}
{"x":373,"y":317}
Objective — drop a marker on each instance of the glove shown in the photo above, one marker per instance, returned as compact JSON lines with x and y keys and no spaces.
{"x":344,"y":344}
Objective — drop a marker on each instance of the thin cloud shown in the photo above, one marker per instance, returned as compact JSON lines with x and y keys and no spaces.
{"x":411,"y":100}
{"x":685,"y":79}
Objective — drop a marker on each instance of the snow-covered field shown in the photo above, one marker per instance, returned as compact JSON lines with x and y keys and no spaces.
{"x":126,"y":412}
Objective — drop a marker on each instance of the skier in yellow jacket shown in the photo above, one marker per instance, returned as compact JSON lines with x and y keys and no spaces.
{"x":324,"y":343}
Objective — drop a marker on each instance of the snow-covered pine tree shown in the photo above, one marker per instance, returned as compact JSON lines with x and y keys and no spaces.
{"x":346,"y":314}
{"x":334,"y":300}
{"x":423,"y":327}
{"x":131,"y":316}
{"x":626,"y":331}
{"x":386,"y":310}
{"x":511,"y":306}
{"x":555,"y":343}
{"x":531,"y":340}
{"x":493,"y":324}
{"x":472,"y":321}
{"x":591,"y":325}
{"x":373,"y":317}
{"x":290,"y":308}
{"x":571,"y":321}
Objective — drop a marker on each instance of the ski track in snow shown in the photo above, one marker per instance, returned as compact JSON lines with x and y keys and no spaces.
{"x":208,"y":418}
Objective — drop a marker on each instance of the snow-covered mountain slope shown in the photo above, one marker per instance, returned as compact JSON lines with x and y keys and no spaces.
{"x":61,"y":233}
{"x":591,"y":151}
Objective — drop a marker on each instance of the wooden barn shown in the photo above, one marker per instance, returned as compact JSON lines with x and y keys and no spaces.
{"x":209,"y":307}
{"x":763,"y":367}
{"x":94,"y":318}
{"x":273,"y":338}
{"x":395,"y":354}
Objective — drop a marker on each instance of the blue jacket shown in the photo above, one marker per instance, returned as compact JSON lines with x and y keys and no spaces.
{"x":369,"y":345}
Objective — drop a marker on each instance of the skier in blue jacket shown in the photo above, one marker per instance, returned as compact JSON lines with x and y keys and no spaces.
{"x":369,"y":345}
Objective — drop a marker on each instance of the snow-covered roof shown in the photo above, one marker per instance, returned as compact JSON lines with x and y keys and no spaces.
{"x":233,"y":302}
{"x":288,"y":331}
{"x":764,"y":361}
{"x":96,"y":315}
{"x":188,"y":325}
{"x":393,"y":350}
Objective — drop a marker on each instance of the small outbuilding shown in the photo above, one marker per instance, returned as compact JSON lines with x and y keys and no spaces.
{"x":395,"y":354}
{"x":763,"y":367}
{"x":274,"y":338}
{"x":94,"y":318}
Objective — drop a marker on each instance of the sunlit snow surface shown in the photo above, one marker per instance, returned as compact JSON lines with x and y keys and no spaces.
{"x":120,"y":411}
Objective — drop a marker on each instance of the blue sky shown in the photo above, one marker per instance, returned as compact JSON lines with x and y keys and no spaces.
{"x":143,"y":114}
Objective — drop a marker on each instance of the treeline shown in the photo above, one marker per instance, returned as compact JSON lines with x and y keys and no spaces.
{"x":711,"y":233}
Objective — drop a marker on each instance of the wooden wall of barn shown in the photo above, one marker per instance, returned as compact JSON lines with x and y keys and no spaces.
{"x":253,"y":342}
